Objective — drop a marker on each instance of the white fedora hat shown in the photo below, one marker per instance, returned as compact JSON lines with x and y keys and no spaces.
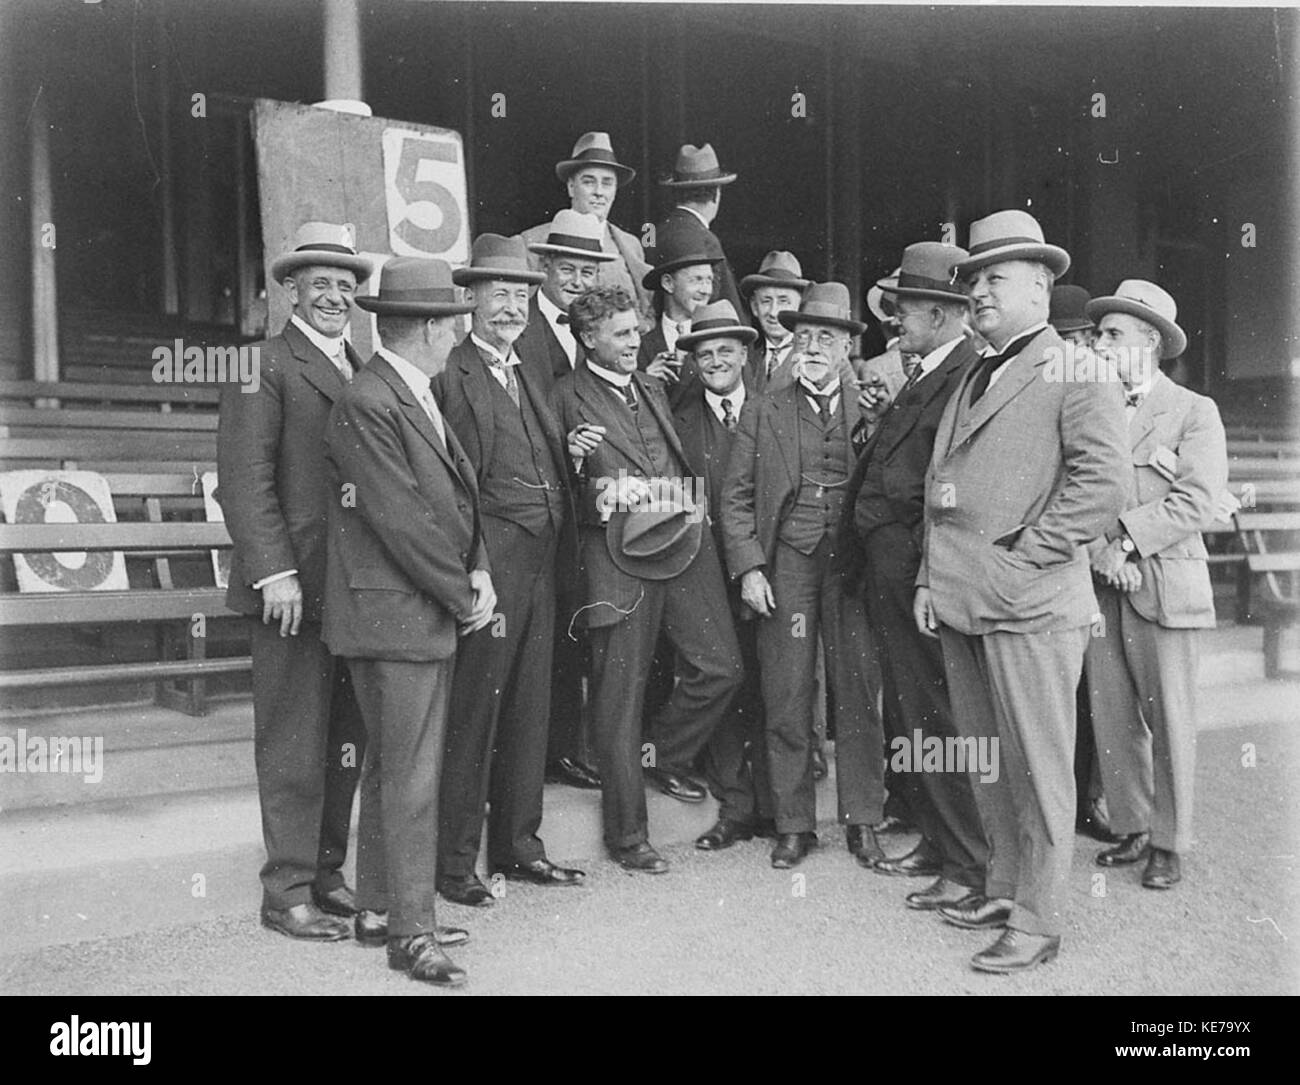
{"x":1011,"y":235}
{"x":1148,"y":302}
{"x":329,"y":244}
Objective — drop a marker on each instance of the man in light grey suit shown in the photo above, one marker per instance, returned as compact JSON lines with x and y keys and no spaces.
{"x":1153,"y":587}
{"x":1027,"y":469}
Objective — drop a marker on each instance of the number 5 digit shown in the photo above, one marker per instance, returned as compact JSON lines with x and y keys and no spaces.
{"x":413,"y":191}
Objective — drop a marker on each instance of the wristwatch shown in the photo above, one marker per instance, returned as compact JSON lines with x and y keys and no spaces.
{"x":1128,"y":545}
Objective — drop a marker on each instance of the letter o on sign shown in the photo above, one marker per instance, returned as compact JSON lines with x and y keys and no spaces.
{"x":30,"y":509}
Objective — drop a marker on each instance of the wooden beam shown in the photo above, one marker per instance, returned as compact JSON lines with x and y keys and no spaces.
{"x":343,"y":62}
{"x":45,"y":294}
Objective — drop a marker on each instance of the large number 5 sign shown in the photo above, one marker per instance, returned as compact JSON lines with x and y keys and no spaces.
{"x":425,"y":190}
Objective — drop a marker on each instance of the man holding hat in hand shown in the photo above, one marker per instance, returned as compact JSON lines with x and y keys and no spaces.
{"x":407,"y":576}
{"x":790,"y":462}
{"x":501,"y":694}
{"x":775,"y":288}
{"x":1153,"y":586}
{"x":307,"y":730}
{"x":1026,"y":471}
{"x":696,"y":183}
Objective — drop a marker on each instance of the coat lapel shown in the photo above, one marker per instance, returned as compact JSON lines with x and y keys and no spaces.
{"x":597,"y":409}
{"x":783,"y":419}
{"x":528,"y":382}
{"x":1148,"y":412}
{"x":416,"y":416}
{"x":318,"y":370}
{"x":658,"y":404}
{"x":478,"y":394}
{"x":1018,"y":373}
{"x":921,"y":396}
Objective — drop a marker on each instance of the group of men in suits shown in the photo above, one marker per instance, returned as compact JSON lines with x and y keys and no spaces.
{"x":613,"y":472}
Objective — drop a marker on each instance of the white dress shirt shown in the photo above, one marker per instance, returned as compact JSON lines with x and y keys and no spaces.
{"x":672,"y":331}
{"x":991,"y":350}
{"x":782,"y":349}
{"x":563,"y":332}
{"x":418,"y":383}
{"x":935,"y":358}
{"x":498,"y":370}
{"x":736,"y":397}
{"x":332,"y":346}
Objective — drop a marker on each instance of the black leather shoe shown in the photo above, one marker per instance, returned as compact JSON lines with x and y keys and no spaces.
{"x":892,"y":824}
{"x":676,"y":785}
{"x":1017,"y":951}
{"x":371,"y":929}
{"x":863,"y":845}
{"x":977,"y":912}
{"x":792,"y":848}
{"x":542,"y":872}
{"x":724,"y":833}
{"x":941,"y":894}
{"x":920,"y":862}
{"x":1129,"y":850}
{"x":640,"y":857}
{"x":468,"y":891}
{"x":337,"y":901}
{"x":1162,"y":870}
{"x":305,"y":921}
{"x":1094,"y":821}
{"x":570,"y":771}
{"x":820,"y":769}
{"x":421,"y":958}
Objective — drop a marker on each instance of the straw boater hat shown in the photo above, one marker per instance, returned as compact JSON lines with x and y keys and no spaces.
{"x":1011,"y":235}
{"x":713,"y":322}
{"x":574,"y":234}
{"x":416,"y":286}
{"x":1148,"y":302}
{"x":497,"y":257}
{"x":325,"y":244}
{"x":657,"y":542}
{"x":824,"y":303}
{"x":778,"y":268}
{"x":926,"y":272}
{"x":679,"y":245}
{"x":594,"y":149}
{"x":881,"y":307}
{"x":697,"y":166}
{"x":1068,"y":312}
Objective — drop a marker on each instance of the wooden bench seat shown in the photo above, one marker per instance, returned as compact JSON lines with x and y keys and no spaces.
{"x":1271,"y":541}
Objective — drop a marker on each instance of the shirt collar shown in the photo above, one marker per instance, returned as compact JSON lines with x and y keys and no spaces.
{"x":769,"y":346}
{"x":416,"y":381}
{"x":683,"y":207}
{"x":550,"y":310}
{"x":935,"y":358}
{"x":618,"y":380}
{"x":990,"y":350}
{"x":1143,"y":389}
{"x":509,"y":358}
{"x":328,"y":345}
{"x":736,"y":397}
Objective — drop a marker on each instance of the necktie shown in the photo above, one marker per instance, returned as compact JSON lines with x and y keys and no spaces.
{"x":629,"y":396}
{"x":823,"y":406}
{"x":431,"y":409}
{"x":341,"y":362}
{"x":773,"y":356}
{"x":512,"y":382}
{"x":992,"y":363}
{"x":728,"y":415}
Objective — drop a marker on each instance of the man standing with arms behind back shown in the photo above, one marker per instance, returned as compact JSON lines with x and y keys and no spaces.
{"x":1026,"y":470}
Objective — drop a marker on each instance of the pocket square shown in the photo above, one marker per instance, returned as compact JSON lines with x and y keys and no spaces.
{"x":1165,"y":462}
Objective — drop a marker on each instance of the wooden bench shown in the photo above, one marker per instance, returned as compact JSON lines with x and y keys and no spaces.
{"x":162,"y":398}
{"x":1271,"y":541}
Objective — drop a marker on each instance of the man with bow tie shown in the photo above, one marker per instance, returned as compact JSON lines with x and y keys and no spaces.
{"x":501,"y":695}
{"x":1027,"y":469}
{"x":308,"y":738}
{"x":790,"y":463}
{"x":1153,"y":587}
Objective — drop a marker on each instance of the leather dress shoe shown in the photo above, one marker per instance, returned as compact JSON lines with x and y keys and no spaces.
{"x":675,"y":785}
{"x":338,"y":901}
{"x":863,"y":845}
{"x":820,"y":768}
{"x":792,"y":848}
{"x":1094,"y":821}
{"x":542,"y":872}
{"x":941,"y":894}
{"x":920,"y":862}
{"x":420,"y":957}
{"x":468,"y":891}
{"x":977,"y":912}
{"x":1017,"y":951}
{"x":305,"y":921}
{"x":892,"y":824}
{"x":371,"y":929}
{"x":724,"y":833}
{"x":1162,"y":870}
{"x":641,"y":857}
{"x":571,"y":771}
{"x":1129,"y":850}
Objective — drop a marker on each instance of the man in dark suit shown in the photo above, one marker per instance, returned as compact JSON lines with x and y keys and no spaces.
{"x":790,"y":462}
{"x":696,"y":184}
{"x":1153,"y":587}
{"x":882,"y":530}
{"x":647,"y":567}
{"x":501,"y":695}
{"x":775,"y":288}
{"x":308,"y":739}
{"x":1027,"y":469}
{"x":736,"y":757}
{"x":407,"y":576}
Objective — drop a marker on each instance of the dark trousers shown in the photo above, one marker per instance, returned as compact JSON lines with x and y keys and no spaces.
{"x":500,"y":702}
{"x":941,"y":802}
{"x":735,"y":759}
{"x":811,"y":602}
{"x":308,"y":744}
{"x":405,"y":709}
{"x":570,"y":665}
{"x":692,"y":610}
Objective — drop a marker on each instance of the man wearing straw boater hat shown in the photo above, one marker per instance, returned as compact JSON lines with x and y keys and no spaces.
{"x":648,"y":567}
{"x":593,"y":175}
{"x":790,"y":461}
{"x":307,"y":731}
{"x":501,"y":695}
{"x":696,"y":184}
{"x":882,"y":528}
{"x":1027,"y":470}
{"x":775,"y":288}
{"x":407,"y":577}
{"x":1153,"y":586}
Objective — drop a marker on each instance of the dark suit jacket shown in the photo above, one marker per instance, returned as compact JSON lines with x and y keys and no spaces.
{"x":540,"y":351}
{"x":580,"y":397}
{"x":708,"y":446}
{"x":724,"y":278}
{"x":274,"y":490}
{"x":403,"y":545}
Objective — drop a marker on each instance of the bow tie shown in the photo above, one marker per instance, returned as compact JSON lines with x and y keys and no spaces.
{"x":1133,"y":399}
{"x":563,"y":318}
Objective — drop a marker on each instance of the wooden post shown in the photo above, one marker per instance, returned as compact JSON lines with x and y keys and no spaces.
{"x":343,"y":49}
{"x":45,"y":299}
{"x":170,"y":287}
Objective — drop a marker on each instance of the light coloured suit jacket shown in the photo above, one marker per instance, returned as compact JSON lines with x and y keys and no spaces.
{"x":1018,"y":485}
{"x":1179,"y":470}
{"x":627,"y":271}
